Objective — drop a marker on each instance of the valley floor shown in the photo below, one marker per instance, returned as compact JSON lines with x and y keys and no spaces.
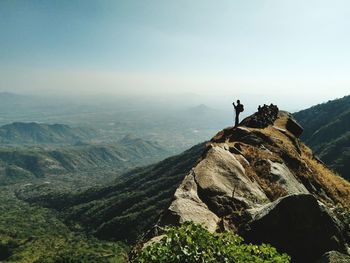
{"x":30,"y":233}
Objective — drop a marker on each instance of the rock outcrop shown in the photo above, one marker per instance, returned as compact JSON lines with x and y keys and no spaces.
{"x":187,"y":206}
{"x":296,"y":224}
{"x":266,"y":185}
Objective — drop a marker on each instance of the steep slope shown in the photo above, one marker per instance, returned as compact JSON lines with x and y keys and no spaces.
{"x":321,"y":115}
{"x":126,"y":209}
{"x":327,"y":132}
{"x":37,"y":133}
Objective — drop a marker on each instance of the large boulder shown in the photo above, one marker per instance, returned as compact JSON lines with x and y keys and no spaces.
{"x":298,"y":225}
{"x":223,"y":184}
{"x":294,"y":127}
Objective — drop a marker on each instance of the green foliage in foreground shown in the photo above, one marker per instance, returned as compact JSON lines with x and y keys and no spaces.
{"x":193,"y":243}
{"x":72,"y":249}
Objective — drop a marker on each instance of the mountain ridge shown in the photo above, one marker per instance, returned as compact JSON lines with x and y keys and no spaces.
{"x":250,"y":177}
{"x":20,"y":164}
{"x":327,"y":132}
{"x":41,"y":133}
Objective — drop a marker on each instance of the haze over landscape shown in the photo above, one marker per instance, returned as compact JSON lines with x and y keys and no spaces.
{"x":293,"y":52}
{"x":120,"y":141}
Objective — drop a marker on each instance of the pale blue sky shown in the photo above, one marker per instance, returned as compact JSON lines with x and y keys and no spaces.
{"x":286,"y":48}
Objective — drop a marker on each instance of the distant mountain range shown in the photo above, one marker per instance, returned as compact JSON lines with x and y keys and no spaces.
{"x":39,"y":133}
{"x":25,"y":163}
{"x":327,"y":132}
{"x":113,"y":117}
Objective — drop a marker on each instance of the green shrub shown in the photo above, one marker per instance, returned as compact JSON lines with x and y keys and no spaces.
{"x":193,"y":243}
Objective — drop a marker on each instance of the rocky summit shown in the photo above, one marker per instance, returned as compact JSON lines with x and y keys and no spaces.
{"x":266,"y":185}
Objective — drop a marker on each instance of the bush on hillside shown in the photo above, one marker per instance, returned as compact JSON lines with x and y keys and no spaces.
{"x":191,"y":243}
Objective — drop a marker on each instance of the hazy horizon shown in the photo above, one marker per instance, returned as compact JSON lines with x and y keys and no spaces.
{"x":292,"y":53}
{"x":175,"y":101}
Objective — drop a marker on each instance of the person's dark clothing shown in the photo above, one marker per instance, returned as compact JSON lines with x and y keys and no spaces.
{"x":238,"y":109}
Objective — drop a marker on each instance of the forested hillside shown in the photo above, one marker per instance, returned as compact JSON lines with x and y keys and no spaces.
{"x":25,"y":163}
{"x":125,"y":209}
{"x":327,"y":132}
{"x":39,"y":133}
{"x":30,"y":233}
{"x":34,"y":234}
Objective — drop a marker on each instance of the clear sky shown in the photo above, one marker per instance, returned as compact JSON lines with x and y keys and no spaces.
{"x":295,"y":50}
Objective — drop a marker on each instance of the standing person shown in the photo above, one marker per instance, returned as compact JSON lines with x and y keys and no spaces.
{"x":238,"y":109}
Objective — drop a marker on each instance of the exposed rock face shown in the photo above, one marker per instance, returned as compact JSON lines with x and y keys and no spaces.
{"x":242,"y":173}
{"x":284,"y":177}
{"x":298,"y":225}
{"x":223,"y":184}
{"x":334,"y":257}
{"x":187,"y":206}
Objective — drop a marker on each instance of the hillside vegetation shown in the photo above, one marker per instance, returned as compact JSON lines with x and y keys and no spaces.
{"x":193,"y":243}
{"x":327,"y":132}
{"x":30,"y":233}
{"x":126,"y":209}
{"x":27,"y":163}
{"x":34,"y":234}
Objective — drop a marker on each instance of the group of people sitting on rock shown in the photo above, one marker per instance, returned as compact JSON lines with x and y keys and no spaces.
{"x":268,"y":111}
{"x":266,"y":115}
